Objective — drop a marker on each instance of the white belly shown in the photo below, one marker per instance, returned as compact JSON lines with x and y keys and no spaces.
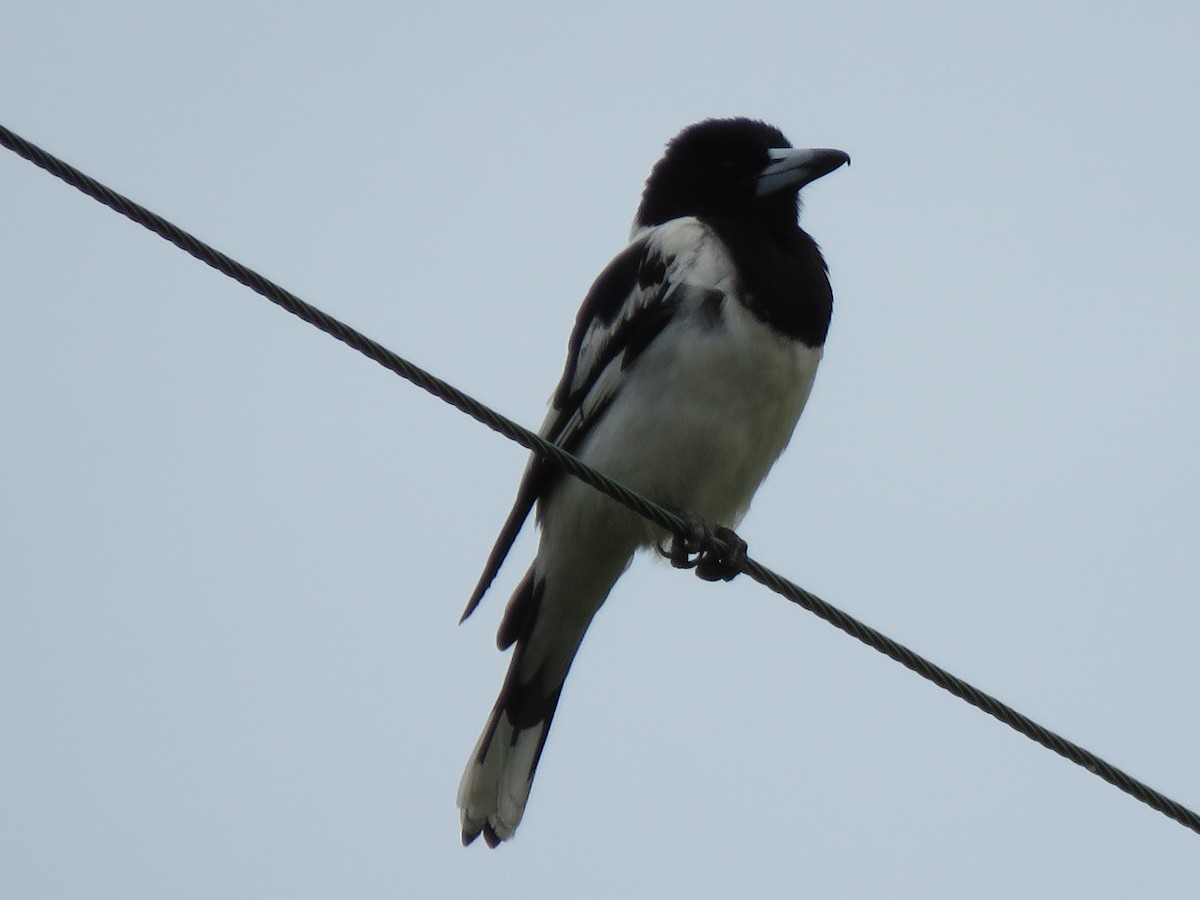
{"x":703,"y":417}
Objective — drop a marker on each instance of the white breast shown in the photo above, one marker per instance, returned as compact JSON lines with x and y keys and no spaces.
{"x":706,"y":409}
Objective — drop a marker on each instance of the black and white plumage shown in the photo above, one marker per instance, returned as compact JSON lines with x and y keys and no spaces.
{"x":691,"y":359}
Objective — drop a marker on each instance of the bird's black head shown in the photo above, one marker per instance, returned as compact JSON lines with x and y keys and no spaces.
{"x":732,"y":168}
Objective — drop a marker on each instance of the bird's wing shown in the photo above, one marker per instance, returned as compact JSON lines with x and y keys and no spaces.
{"x":629,"y":304}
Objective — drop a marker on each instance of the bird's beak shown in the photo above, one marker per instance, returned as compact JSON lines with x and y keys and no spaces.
{"x":795,"y":168}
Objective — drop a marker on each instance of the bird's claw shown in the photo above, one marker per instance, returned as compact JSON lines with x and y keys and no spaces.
{"x":717,"y":554}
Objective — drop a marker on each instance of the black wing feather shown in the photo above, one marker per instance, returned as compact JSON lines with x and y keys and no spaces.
{"x":627,"y":306}
{"x":532,"y":484}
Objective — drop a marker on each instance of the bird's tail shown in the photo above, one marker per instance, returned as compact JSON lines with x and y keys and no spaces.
{"x":546,"y":625}
{"x":499,"y":775}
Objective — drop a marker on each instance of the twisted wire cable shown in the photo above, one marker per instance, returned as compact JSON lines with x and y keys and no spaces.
{"x":665,"y":518}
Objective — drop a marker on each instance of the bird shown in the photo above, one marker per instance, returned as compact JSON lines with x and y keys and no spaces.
{"x":692,"y":356}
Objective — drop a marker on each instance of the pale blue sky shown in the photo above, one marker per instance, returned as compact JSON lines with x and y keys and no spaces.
{"x":235,"y":552}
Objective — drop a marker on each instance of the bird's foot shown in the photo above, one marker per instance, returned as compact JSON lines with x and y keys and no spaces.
{"x":717,"y":554}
